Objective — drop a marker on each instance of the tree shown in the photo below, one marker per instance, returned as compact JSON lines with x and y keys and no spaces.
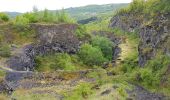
{"x":105,"y":45}
{"x":91,"y":55}
{"x":4,"y":17}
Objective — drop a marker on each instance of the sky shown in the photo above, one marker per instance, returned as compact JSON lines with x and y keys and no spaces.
{"x":27,"y":5}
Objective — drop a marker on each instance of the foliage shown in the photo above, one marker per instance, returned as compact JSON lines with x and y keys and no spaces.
{"x":100,"y":25}
{"x":4,"y":17}
{"x":42,"y":16}
{"x":25,"y":95}
{"x":82,"y":33}
{"x":85,"y":12}
{"x":21,"y":22}
{"x":99,"y":74}
{"x":91,"y":55}
{"x":146,"y":7}
{"x":105,"y":45}
{"x":2,"y":74}
{"x":60,"y":61}
{"x":5,"y":51}
{"x":81,"y":92}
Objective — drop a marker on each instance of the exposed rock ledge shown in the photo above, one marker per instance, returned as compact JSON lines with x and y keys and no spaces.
{"x":51,"y":38}
{"x":154,"y":35}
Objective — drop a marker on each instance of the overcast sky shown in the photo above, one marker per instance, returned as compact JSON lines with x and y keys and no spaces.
{"x":27,"y":5}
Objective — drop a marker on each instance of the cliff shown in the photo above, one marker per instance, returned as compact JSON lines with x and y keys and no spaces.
{"x":153,"y":32}
{"x":51,"y":38}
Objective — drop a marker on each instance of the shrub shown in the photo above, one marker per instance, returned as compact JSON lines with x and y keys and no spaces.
{"x":91,"y":55}
{"x":148,"y":78}
{"x":5,"y":51}
{"x":32,"y":17}
{"x":160,"y":62}
{"x":81,"y":92}
{"x":62,"y":16}
{"x":60,"y":61}
{"x":21,"y":22}
{"x":63,"y":61}
{"x":81,"y":33}
{"x":105,"y":45}
{"x":2,"y":74}
{"x":4,"y":17}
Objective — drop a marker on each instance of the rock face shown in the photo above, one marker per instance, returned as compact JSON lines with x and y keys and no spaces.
{"x":154,"y":35}
{"x":50,"y":39}
{"x":126,"y":22}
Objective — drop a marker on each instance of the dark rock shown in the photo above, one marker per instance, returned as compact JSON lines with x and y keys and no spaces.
{"x":139,"y":93}
{"x":6,"y":88}
{"x":153,"y":36}
{"x":96,"y":87}
{"x":50,"y":39}
{"x":115,"y":87}
{"x":105,"y":92}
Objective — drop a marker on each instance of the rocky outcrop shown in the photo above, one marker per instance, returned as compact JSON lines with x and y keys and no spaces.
{"x":5,"y":87}
{"x":154,"y":35}
{"x":50,"y":39}
{"x":127,"y":22}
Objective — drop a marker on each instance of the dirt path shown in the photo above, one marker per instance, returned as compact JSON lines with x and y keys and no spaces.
{"x":14,"y":51}
{"x":126,"y":49}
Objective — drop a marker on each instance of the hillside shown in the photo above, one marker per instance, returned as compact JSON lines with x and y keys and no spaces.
{"x":121,"y":55}
{"x":85,"y":12}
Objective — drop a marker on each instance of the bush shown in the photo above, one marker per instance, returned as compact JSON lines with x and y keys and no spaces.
{"x":160,"y":62}
{"x":91,"y":55}
{"x":63,"y":17}
{"x":32,"y":17}
{"x":81,"y":33}
{"x":2,"y":74}
{"x":4,"y":17}
{"x":60,"y":61}
{"x":81,"y":92}
{"x":5,"y":51}
{"x":21,"y":22}
{"x":148,"y":78}
{"x":105,"y":45}
{"x":63,"y":61}
{"x":43,"y":16}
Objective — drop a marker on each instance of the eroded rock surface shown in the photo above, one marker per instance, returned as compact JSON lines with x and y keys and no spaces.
{"x":154,"y":35}
{"x":50,"y":39}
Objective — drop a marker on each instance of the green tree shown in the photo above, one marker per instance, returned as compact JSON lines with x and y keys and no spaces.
{"x":4,"y":17}
{"x":105,"y":45}
{"x":91,"y":55}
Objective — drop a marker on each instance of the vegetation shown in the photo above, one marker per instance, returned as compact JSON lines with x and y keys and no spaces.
{"x":146,"y":7}
{"x":105,"y":45}
{"x":4,"y":17}
{"x":5,"y":51}
{"x":91,"y":55}
{"x":60,"y":61}
{"x":81,"y":76}
{"x":82,"y":91}
{"x":85,"y":12}
{"x":45,"y":16}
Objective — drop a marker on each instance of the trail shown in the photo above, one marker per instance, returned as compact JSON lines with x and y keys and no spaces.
{"x":126,"y":49}
{"x":4,"y":67}
{"x":14,"y":51}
